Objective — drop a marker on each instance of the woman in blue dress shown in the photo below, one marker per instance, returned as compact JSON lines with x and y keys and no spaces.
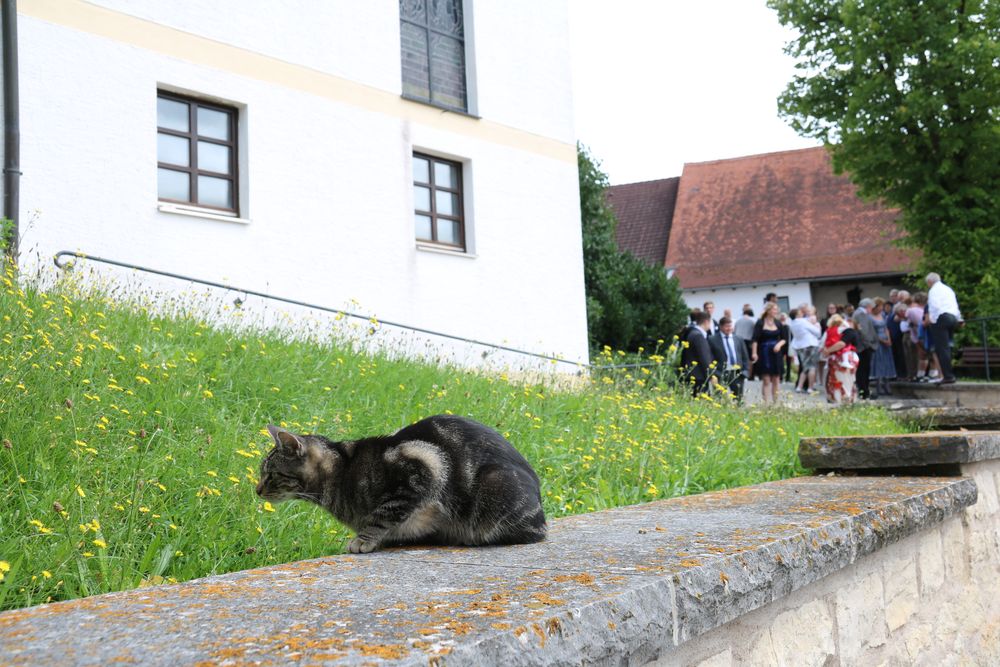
{"x":883,"y":366}
{"x":770,"y":344}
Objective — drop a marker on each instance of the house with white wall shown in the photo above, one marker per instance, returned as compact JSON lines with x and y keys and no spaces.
{"x":413,"y":159}
{"x":737,"y":229}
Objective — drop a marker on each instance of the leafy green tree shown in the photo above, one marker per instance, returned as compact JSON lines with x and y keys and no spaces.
{"x":629,"y":303}
{"x":906,"y":93}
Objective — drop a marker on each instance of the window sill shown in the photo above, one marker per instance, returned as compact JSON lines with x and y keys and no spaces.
{"x":198,"y":212}
{"x":442,"y":107}
{"x":441,"y":250}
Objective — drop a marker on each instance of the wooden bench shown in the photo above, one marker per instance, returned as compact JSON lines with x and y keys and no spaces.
{"x":975,"y":357}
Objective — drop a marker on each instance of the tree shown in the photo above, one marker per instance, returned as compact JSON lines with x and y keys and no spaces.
{"x":906,"y":93}
{"x":629,"y":303}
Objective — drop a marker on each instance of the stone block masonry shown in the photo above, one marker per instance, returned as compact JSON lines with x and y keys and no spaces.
{"x":852,"y":570}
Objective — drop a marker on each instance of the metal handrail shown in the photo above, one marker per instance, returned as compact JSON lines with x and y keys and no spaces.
{"x":295,"y":302}
{"x":985,"y":338}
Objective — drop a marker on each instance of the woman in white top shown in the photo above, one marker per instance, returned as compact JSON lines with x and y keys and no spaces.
{"x":805,"y":344}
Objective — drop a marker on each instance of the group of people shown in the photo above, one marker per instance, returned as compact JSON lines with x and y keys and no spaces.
{"x":851,"y":352}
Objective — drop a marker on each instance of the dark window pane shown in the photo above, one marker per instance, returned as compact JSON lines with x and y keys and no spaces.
{"x":173,"y":184}
{"x":213,"y":157}
{"x":447,"y":63}
{"x":171,"y":114}
{"x":445,"y":175}
{"x":446,"y":203}
{"x":421,"y":170}
{"x":213,"y":124}
{"x":422,"y":198}
{"x":416,"y":75}
{"x":446,"y":16}
{"x":413,"y":10}
{"x":447,"y":231}
{"x":175,"y":150}
{"x":215,"y":192}
{"x":423,"y":224}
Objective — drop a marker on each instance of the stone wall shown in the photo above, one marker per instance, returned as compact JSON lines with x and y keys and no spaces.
{"x":852,"y":568}
{"x":932,"y":598}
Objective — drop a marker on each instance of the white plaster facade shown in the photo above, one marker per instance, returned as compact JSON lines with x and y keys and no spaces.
{"x":326,"y":144}
{"x":797,"y":292}
{"x":733,"y":298}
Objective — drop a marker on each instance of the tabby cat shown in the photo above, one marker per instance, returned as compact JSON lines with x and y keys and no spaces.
{"x":443,"y":480}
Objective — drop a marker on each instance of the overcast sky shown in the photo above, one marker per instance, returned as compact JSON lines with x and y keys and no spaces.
{"x":658,"y":83}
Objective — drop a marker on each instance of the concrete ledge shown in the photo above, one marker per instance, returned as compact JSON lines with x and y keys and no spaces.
{"x":626,"y":586}
{"x":959,"y":394}
{"x":926,"y":415}
{"x":899,"y":451}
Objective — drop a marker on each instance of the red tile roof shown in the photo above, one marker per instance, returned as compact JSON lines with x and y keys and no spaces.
{"x":777,"y":216}
{"x":644,"y":212}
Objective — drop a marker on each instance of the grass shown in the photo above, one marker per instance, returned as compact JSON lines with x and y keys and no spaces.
{"x":131,"y":440}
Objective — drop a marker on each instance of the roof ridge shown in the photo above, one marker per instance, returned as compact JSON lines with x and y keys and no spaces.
{"x":757,"y":155}
{"x":652,"y":180}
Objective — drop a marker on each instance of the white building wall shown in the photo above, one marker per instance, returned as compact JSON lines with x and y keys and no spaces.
{"x":327,"y":210}
{"x":734,"y":297}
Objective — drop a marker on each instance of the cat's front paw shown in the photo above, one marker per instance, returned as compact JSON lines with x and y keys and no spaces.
{"x":360,"y":546}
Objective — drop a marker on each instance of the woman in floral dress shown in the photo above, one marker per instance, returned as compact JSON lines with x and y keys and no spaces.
{"x":842,"y":361}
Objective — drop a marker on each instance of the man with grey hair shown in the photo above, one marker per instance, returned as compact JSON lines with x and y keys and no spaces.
{"x":894,"y":322}
{"x":944,"y":316}
{"x":862,"y":319}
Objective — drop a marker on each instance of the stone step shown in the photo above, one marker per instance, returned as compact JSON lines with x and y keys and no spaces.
{"x":899,"y":451}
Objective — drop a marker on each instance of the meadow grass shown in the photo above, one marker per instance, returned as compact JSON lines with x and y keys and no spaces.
{"x":131,"y":441}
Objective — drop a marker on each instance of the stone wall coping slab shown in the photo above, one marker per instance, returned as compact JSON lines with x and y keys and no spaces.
{"x":625,"y":585}
{"x":899,"y":451}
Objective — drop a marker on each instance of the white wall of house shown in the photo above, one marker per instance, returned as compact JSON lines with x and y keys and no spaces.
{"x":734,"y":297}
{"x":326,"y":144}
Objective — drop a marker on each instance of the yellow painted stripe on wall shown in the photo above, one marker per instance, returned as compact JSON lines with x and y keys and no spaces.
{"x":175,"y":43}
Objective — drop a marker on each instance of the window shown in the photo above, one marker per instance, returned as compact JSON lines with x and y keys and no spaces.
{"x":196,"y":152}
{"x":432,"y":37}
{"x":437,"y":197}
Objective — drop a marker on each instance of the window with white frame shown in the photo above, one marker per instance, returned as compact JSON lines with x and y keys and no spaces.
{"x":437,"y":197}
{"x":196,"y":143}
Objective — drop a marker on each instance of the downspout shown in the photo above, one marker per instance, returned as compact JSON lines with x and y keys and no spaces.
{"x":11,"y":125}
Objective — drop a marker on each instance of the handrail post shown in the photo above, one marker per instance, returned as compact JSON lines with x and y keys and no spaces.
{"x":986,"y":351}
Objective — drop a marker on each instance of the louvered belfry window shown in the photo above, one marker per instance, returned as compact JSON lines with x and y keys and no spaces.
{"x":432,"y":35}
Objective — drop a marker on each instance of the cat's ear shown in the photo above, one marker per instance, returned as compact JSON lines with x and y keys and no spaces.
{"x":287,"y":440}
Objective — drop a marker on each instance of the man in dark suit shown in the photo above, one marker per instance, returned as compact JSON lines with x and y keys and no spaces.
{"x":732,"y":362}
{"x":862,"y":319}
{"x":696,"y":358}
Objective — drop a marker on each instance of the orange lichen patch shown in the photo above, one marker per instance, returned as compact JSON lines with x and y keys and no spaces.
{"x":469,"y":591}
{"x":552,"y":625}
{"x":723,"y":578}
{"x":500,"y":626}
{"x":540,"y":632}
{"x":387,"y":651}
{"x":690,"y":562}
{"x":583,"y":578}
{"x":459,"y":627}
{"x":494,"y":607}
{"x":546,"y":599}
